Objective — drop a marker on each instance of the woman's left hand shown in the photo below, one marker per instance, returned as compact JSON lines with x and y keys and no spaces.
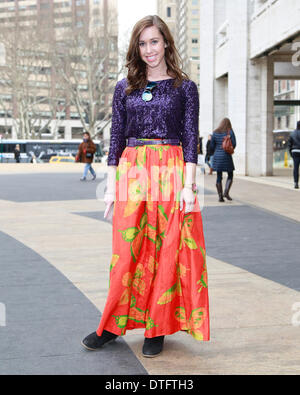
{"x":187,"y":196}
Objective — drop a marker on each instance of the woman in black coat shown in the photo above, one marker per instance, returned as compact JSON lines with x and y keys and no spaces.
{"x":294,"y":148}
{"x":222,"y":161}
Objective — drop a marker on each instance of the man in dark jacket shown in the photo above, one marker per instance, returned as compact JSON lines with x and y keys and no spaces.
{"x":294,"y":148}
{"x":17,"y":153}
{"x":209,"y":154}
{"x":85,"y":154}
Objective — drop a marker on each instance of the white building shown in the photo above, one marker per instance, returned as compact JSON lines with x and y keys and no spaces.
{"x":183,"y":19}
{"x":245,"y":45}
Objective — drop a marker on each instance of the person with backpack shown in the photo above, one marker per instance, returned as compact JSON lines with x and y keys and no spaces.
{"x":294,"y":148}
{"x":223,"y":142}
{"x":85,"y":154}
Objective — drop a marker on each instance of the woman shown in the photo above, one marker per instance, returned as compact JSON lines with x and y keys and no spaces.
{"x":222,"y":161}
{"x":294,"y":148}
{"x":85,"y":154}
{"x":158,"y":278}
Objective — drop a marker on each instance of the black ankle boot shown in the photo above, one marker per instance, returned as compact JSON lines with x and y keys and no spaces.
{"x":296,"y":185}
{"x":153,"y":346}
{"x":93,"y":342}
{"x":227,"y":189}
{"x":220,"y":191}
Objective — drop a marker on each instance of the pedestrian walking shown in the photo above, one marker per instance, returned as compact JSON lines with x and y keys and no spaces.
{"x":209,"y":155}
{"x":85,"y":154}
{"x":158,"y":277}
{"x":294,"y":148}
{"x":201,"y":161}
{"x":222,"y":160}
{"x":200,"y":145}
{"x":17,"y":153}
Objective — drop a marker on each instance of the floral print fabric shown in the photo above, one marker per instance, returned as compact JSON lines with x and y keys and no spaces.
{"x":158,"y":273}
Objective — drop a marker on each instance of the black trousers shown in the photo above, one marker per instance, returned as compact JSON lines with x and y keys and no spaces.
{"x":220,"y":176}
{"x":296,"y":159}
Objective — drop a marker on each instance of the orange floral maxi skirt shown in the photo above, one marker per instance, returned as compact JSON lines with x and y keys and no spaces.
{"x":158,"y":274}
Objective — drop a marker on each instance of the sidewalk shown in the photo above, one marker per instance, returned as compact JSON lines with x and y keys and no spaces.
{"x":275,"y":194}
{"x":282,"y":178}
{"x":55,"y":251}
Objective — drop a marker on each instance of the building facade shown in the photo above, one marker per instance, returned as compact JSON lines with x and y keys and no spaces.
{"x":167,"y":10}
{"x":286,"y":117}
{"x":61,"y":29}
{"x":183,"y":18}
{"x":241,"y":56}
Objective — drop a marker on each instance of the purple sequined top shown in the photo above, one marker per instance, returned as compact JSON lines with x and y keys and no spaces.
{"x":172,"y":113}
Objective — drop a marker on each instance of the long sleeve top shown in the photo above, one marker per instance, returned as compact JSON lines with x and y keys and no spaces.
{"x":83,"y":149}
{"x":172,"y":113}
{"x":294,"y":141}
{"x":222,"y":161}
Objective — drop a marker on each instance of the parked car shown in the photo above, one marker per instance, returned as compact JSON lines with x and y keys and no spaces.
{"x":62,"y":159}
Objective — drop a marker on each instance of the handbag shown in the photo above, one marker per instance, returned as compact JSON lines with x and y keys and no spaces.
{"x":108,"y":214}
{"x":227,"y":144}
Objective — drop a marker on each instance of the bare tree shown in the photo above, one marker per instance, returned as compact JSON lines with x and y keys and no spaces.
{"x":51,"y":74}
{"x":25,"y":77}
{"x":87,"y":66}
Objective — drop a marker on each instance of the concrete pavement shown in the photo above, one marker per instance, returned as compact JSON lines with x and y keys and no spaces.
{"x":55,"y":251}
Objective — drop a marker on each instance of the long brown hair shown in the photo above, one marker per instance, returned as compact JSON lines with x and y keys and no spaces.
{"x":225,"y":126}
{"x":137,"y":70}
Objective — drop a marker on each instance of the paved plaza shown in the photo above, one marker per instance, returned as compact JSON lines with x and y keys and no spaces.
{"x":55,"y":251}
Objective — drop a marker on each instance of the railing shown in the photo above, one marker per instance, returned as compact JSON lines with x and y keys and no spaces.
{"x":222,"y":34}
{"x":260,"y":7}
